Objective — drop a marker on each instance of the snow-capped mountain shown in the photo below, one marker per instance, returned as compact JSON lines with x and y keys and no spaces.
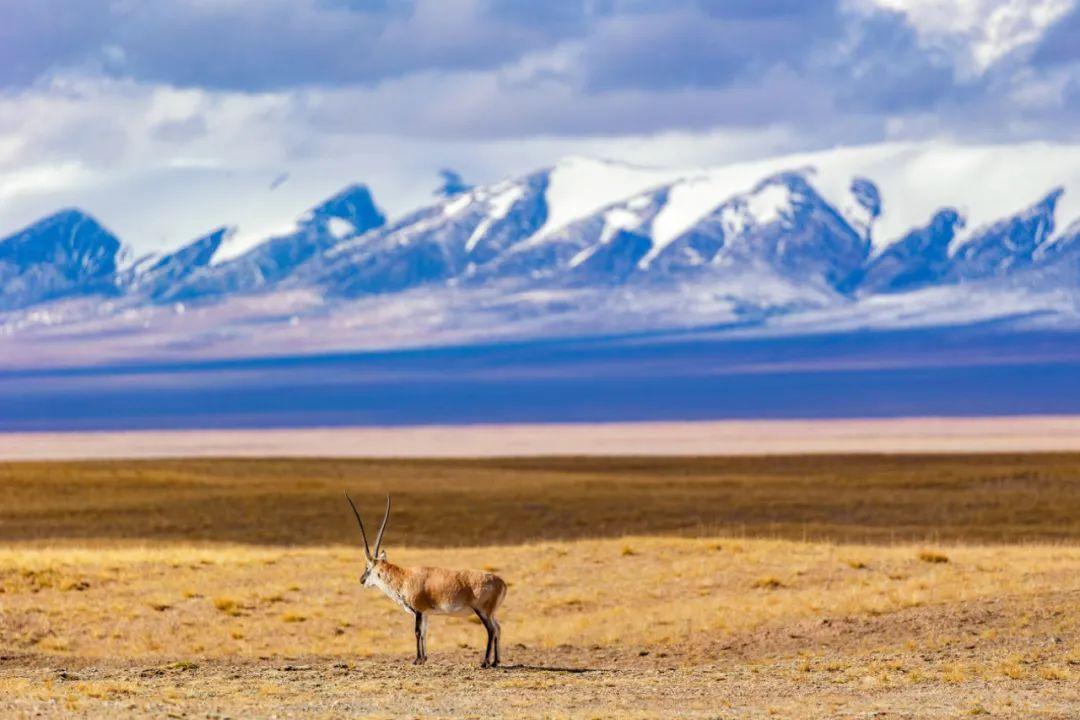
{"x":591,"y":246}
{"x":783,"y":226}
{"x":68,"y":253}
{"x":1008,"y":245}
{"x":436,"y":244}
{"x":348,"y":213}
{"x":919,"y":258}
{"x":157,"y":277}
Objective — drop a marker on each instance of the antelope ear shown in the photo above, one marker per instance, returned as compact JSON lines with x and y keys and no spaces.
{"x":382,"y":555}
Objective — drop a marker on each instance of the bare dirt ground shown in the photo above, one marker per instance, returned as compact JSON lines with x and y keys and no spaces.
{"x":863,"y":669}
{"x":929,"y":587}
{"x":736,"y":437}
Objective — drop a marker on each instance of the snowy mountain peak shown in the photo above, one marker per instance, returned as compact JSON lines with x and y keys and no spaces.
{"x":781,"y":227}
{"x":158,"y":277}
{"x":1009,"y":243}
{"x":67,"y":253}
{"x":452,"y":184}
{"x":350,"y":211}
{"x":67,"y":231}
{"x":918,"y":259}
{"x":352,"y":205}
{"x":579,"y":186}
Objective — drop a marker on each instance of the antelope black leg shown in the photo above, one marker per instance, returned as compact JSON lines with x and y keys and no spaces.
{"x":419,"y":639}
{"x":490,"y":638}
{"x":423,"y":638}
{"x":498,"y":641}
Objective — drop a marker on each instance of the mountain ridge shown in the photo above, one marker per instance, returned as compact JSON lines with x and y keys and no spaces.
{"x":594,"y":245}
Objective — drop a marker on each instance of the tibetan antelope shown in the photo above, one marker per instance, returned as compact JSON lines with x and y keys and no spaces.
{"x":424,"y":591}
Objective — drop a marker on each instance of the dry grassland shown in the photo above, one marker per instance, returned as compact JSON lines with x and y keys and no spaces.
{"x":940,"y":587}
{"x":993,"y":498}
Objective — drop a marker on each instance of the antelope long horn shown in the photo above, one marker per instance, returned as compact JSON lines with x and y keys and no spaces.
{"x":382,"y":529}
{"x":367,"y":550}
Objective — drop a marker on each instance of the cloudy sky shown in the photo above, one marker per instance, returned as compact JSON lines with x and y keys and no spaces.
{"x":165,"y":116}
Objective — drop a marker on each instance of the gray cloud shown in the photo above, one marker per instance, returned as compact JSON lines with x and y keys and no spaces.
{"x":707,"y":44}
{"x":832,"y":70}
{"x":264,"y":45}
{"x":39,"y":37}
{"x":883,"y":69}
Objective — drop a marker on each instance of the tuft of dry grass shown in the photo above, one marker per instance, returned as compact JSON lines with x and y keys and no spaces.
{"x":768,"y":583}
{"x":930,"y":556}
{"x":229,"y":606}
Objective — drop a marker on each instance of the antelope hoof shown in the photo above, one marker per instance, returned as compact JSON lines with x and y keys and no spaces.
{"x":485,"y":664}
{"x":418,"y":661}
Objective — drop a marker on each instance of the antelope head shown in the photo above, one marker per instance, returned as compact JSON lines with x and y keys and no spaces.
{"x":372,"y":559}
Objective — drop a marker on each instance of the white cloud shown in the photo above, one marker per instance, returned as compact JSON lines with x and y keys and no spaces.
{"x":981,"y":31}
{"x":43,"y":180}
{"x":95,"y":144}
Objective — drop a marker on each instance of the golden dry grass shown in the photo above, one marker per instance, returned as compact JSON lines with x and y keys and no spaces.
{"x":440,"y":503}
{"x":680,"y":623}
{"x":122,"y":591}
{"x":146,"y":602}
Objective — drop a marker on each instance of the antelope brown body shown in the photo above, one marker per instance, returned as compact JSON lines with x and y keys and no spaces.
{"x":424,"y":591}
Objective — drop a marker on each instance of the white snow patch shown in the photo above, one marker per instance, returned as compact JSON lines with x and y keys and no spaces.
{"x":769,"y":204}
{"x":478,"y":234}
{"x":583,"y":255}
{"x":694,"y":197}
{"x":579,"y":187}
{"x":499,"y":205}
{"x":457,"y":204}
{"x":241,"y":242}
{"x":340,"y":228}
{"x":733,"y":220}
{"x":618,"y":219}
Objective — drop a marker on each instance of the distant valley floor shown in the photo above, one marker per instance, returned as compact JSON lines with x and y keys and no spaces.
{"x":671,"y":378}
{"x":732,"y":437}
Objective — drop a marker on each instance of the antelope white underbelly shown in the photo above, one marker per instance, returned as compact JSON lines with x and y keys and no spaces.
{"x":455,"y":609}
